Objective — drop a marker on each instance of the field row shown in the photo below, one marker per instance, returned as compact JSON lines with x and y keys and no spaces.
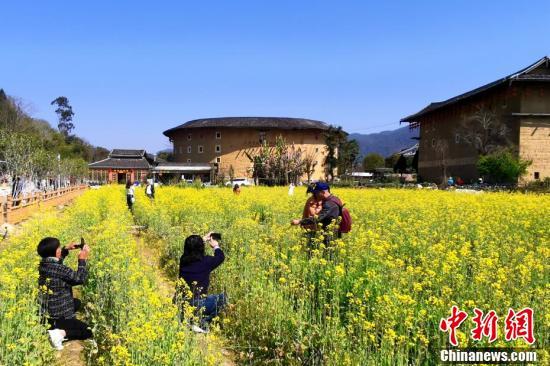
{"x":376,"y":296}
{"x":132,"y":323}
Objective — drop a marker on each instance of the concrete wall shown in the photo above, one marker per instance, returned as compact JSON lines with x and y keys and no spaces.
{"x":234,"y":142}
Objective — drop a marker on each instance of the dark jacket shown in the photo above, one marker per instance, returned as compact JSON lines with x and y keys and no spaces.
{"x":58,"y":301}
{"x":329,"y":213}
{"x":197,"y":274}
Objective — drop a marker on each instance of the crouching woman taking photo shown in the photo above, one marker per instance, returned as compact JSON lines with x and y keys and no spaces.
{"x":195,"y":268}
{"x":56,"y":282}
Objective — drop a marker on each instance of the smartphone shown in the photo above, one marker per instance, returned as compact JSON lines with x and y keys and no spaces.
{"x":82,"y":243}
{"x":216,"y":236}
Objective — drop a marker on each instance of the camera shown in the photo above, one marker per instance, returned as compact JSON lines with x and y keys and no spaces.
{"x":81,"y":245}
{"x":216,"y":236}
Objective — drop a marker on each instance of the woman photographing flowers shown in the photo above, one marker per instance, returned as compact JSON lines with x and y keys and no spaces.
{"x":195,"y":268}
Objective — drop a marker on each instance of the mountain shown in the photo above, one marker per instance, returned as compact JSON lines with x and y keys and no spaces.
{"x":385,"y":143}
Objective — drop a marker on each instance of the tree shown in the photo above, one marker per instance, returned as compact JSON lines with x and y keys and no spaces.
{"x":502,"y":166}
{"x":278,"y":164}
{"x":310,"y":162}
{"x":401,"y":165}
{"x":334,"y":137}
{"x":484,"y":131}
{"x":164,"y":155}
{"x":12,"y":114}
{"x":348,"y":152}
{"x":373,"y":161}
{"x":391,"y":160}
{"x":231,"y":173}
{"x":259,"y":161}
{"x":414,"y":163}
{"x":73,"y":168}
{"x":442,"y":150}
{"x":18,"y":151}
{"x":65,"y":114}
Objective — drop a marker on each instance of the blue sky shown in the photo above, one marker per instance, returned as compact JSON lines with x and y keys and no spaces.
{"x":133,"y":69}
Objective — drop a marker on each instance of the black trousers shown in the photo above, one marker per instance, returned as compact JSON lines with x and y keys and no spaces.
{"x":129,"y":201}
{"x":74,"y":328}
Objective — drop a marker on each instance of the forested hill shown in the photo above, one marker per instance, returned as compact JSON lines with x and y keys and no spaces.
{"x":385,"y":143}
{"x":30,"y":146}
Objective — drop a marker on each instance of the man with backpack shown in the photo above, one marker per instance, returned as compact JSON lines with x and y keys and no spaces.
{"x":332,"y":208}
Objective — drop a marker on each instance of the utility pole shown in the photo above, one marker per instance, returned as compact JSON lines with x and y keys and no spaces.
{"x":58,"y":171}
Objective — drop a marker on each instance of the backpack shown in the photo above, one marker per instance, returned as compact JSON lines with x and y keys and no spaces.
{"x":345,"y":223}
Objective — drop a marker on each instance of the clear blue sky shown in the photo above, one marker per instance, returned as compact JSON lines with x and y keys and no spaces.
{"x":133,"y":69}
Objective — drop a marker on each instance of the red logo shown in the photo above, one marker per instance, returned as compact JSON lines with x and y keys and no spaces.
{"x":452,"y":323}
{"x":485,"y":326}
{"x":520,"y":325}
{"x":516,"y":325}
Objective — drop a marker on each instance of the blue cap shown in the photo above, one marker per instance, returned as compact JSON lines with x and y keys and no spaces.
{"x":321,"y":186}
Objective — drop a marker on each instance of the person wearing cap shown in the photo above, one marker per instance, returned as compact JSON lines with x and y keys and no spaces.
{"x":312,"y":207}
{"x":329,"y":211}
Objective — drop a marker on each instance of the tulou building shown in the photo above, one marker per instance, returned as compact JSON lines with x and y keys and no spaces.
{"x":518,"y":104}
{"x":223,"y":143}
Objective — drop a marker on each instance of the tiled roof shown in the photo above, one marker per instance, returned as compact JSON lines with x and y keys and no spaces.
{"x":253,"y":122}
{"x":534,"y":72}
{"x":117,"y":163}
{"x":127,"y":153}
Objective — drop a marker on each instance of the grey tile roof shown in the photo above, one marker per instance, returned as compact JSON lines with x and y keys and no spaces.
{"x":252,"y":122}
{"x":533,"y":72}
{"x":127,"y":152}
{"x":118,"y":163}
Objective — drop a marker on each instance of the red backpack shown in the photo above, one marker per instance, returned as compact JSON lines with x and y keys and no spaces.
{"x":345,"y":223}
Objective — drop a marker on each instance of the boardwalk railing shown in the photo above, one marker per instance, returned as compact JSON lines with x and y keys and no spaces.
{"x":14,"y":210}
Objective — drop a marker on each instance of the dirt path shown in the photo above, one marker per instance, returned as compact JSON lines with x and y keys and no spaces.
{"x":72,"y":354}
{"x":150,"y":256}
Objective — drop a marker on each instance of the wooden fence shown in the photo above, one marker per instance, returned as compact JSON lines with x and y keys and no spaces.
{"x":15,"y":210}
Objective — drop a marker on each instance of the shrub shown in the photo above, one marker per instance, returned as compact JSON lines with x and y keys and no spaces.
{"x":502,"y":166}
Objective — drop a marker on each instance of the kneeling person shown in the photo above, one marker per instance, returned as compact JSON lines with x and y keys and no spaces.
{"x":195,"y":269}
{"x":56,"y":282}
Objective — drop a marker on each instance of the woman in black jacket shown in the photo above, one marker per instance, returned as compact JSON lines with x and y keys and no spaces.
{"x":195,"y":268}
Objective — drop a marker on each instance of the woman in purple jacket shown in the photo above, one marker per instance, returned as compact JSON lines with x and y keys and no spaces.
{"x":195,"y":269}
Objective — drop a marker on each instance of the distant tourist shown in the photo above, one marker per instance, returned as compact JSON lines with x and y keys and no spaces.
{"x":16,"y":189}
{"x":56,"y":283}
{"x":150,"y":190}
{"x":237,"y":189}
{"x":450,"y":182}
{"x":195,"y":268}
{"x":130,"y":198}
{"x":291,"y":189}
